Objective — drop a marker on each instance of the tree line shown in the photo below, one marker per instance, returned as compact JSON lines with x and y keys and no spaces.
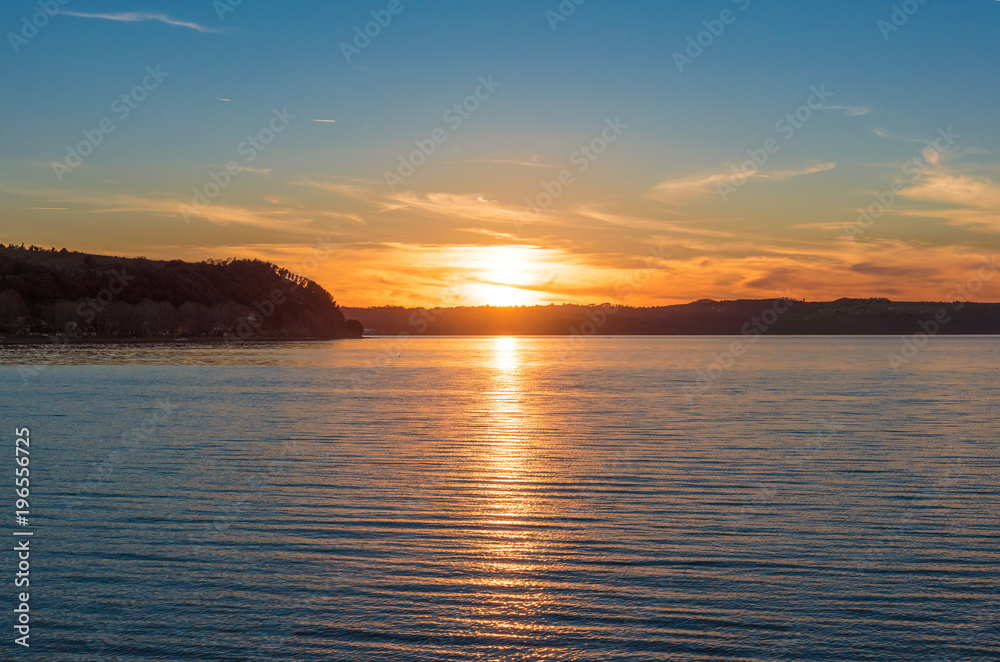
{"x":70,"y":293}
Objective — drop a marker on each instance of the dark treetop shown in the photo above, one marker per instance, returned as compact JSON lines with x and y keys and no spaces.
{"x":45,"y":291}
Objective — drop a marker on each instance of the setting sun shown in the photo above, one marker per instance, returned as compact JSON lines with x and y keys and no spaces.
{"x":505,"y":275}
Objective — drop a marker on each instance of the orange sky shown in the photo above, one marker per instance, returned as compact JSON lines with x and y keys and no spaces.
{"x":486,"y":156}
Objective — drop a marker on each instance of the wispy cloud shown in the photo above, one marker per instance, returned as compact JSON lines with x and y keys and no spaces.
{"x":963,"y":190}
{"x":678,"y":190}
{"x":852,"y":111}
{"x":139,"y":17}
{"x":330,"y":121}
{"x":532,"y":161}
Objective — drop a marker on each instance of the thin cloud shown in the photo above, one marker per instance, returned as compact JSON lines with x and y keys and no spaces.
{"x":852,"y":111}
{"x":139,"y":17}
{"x":680,"y":189}
{"x":962,"y":190}
{"x":330,"y":121}
{"x":221,"y":99}
{"x":533,"y":161}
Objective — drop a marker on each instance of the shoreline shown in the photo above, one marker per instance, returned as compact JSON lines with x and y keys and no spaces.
{"x":40,"y":340}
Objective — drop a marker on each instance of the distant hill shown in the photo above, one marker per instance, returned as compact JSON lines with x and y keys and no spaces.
{"x":45,"y":291}
{"x":706,"y":317}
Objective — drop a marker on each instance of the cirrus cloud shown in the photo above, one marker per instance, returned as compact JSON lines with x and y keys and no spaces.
{"x":139,"y":17}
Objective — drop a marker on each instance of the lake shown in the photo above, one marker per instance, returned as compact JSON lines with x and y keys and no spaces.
{"x":628,"y":498}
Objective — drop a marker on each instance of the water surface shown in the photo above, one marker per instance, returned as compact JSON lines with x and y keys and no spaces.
{"x":511,"y":498}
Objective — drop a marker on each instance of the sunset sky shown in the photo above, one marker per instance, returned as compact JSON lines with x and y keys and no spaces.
{"x":655,"y":218}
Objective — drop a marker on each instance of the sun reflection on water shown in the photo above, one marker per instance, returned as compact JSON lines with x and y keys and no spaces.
{"x":510,"y":551}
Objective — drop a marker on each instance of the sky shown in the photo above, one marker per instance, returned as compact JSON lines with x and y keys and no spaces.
{"x":429,"y":153}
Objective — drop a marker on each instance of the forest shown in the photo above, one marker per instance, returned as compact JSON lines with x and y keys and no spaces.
{"x":79,"y":295}
{"x":746,"y":317}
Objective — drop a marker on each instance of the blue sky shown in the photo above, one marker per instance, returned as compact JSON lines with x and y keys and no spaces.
{"x":451,"y":232}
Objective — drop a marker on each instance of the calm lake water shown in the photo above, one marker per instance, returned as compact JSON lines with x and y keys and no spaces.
{"x":510,"y":498}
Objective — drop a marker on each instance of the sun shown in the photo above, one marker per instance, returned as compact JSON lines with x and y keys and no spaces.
{"x":505,"y":276}
{"x":500,"y":295}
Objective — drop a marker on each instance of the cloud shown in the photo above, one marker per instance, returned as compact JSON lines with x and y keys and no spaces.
{"x":892,"y":272}
{"x":676,"y":190}
{"x":963,"y":190}
{"x":357,"y":189}
{"x":288,"y":219}
{"x":788,"y":174}
{"x":465,"y":207}
{"x":852,"y":111}
{"x":533,"y":161}
{"x":685,"y":187}
{"x":139,"y":17}
{"x":329,"y":121}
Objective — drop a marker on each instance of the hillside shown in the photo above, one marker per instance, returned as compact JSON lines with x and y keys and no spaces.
{"x":741,"y":317}
{"x":66,"y":293}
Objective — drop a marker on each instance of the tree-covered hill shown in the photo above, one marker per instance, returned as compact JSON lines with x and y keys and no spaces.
{"x":78,"y":294}
{"x":743,"y":317}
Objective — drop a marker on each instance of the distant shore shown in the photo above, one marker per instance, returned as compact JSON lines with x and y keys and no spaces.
{"x":50,"y":340}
